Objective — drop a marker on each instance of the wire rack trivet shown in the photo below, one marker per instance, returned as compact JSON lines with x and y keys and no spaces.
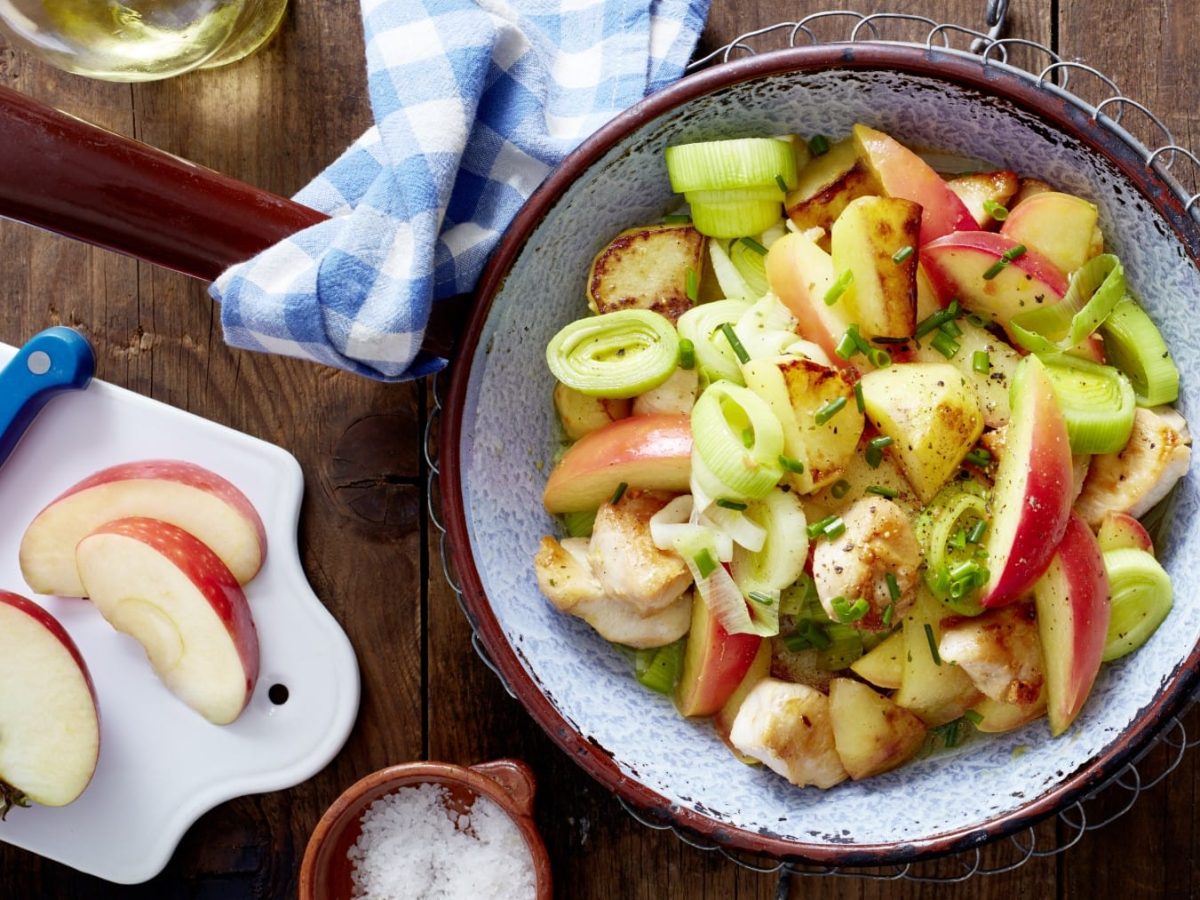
{"x":1149,"y":767}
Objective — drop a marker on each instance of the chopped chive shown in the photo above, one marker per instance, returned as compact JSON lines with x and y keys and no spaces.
{"x":880,"y":359}
{"x":945,"y":345}
{"x":859,"y":341}
{"x":888,"y":612}
{"x":619,"y":493}
{"x":737,"y":505}
{"x":796,"y":642}
{"x":835,"y":528}
{"x":748,"y":437}
{"x":782,"y":184}
{"x":829,"y":410}
{"x":959,"y":539}
{"x":981,"y":362}
{"x":977,"y":320}
{"x":953,"y":308}
{"x":883,"y":491}
{"x":949,"y":733}
{"x":754,"y":245}
{"x":1015,"y":253}
{"x":933,"y":321}
{"x":950,"y":329}
{"x":893,"y":586}
{"x":975,"y":535}
{"x":933,"y":651}
{"x":705,"y":564}
{"x":874,"y":456}
{"x":818,"y":145}
{"x":816,"y":529}
{"x":840,"y":488}
{"x":858,"y":397}
{"x":978,"y":457}
{"x":882,"y":441}
{"x":995,"y":210}
{"x":1007,"y":257}
{"x":841,"y":609}
{"x":846,"y":347}
{"x":760,"y":597}
{"x":687,"y":354}
{"x":677,"y":219}
{"x":735,"y":342}
{"x":839,"y":287}
{"x":902,"y":254}
{"x":973,"y":717}
{"x":792,"y":465}
{"x":693,"y":285}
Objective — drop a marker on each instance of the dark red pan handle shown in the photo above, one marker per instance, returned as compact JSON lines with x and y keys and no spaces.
{"x":68,"y":176}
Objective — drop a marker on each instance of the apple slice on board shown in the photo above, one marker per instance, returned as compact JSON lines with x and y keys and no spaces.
{"x":182,"y":493}
{"x":1072,"y":618}
{"x":171,"y":593}
{"x":1034,"y":488}
{"x":49,"y":725}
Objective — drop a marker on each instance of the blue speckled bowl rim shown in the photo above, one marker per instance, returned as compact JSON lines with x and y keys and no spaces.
{"x":1061,"y":112}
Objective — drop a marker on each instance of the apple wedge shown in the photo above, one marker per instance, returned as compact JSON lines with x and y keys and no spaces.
{"x":173,"y":595}
{"x":49,"y":724}
{"x":759,"y":669}
{"x":872,"y":734}
{"x":1072,"y":616}
{"x":991,"y":387}
{"x":866,"y":239}
{"x":995,"y":717}
{"x":881,"y":666}
{"x":653,"y":453}
{"x":904,"y":174}
{"x":1034,"y":486}
{"x":801,"y":274}
{"x":981,"y":189}
{"x":715,"y":663}
{"x":1061,"y":227}
{"x":1120,"y":531}
{"x":931,"y":687}
{"x":186,"y":495}
{"x":959,"y":264}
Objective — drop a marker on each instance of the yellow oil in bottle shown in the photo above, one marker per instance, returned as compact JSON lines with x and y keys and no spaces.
{"x":140,"y":40}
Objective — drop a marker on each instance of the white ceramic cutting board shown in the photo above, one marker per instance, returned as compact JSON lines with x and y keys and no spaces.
{"x":161,"y":765}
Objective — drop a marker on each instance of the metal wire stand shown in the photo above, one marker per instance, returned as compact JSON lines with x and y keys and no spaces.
{"x":1149,"y":767}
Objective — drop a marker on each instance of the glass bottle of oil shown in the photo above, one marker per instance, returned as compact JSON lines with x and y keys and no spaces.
{"x":139,"y":40}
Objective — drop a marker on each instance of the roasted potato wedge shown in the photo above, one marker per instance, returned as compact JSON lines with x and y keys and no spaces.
{"x":827,"y":184}
{"x":647,"y":268}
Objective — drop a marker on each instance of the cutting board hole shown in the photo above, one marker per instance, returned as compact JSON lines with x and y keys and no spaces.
{"x":278,"y":694}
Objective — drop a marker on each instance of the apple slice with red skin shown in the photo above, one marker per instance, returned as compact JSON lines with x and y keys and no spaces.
{"x":182,"y":493}
{"x":1073,"y":609}
{"x":715,"y":663}
{"x":49,"y":723}
{"x":958,"y":262}
{"x":1061,"y":227}
{"x":1120,"y":530}
{"x":801,"y":274}
{"x":904,"y":174}
{"x":653,"y":453}
{"x":1031,"y":499}
{"x":171,"y":593}
{"x":760,"y":668}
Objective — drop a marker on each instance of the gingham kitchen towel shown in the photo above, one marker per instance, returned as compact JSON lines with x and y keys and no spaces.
{"x":475,"y":101}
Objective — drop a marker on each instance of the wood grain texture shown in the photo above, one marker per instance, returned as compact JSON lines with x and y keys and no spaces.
{"x":368,"y":546}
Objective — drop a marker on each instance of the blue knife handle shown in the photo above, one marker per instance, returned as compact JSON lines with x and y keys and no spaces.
{"x":56,"y":360}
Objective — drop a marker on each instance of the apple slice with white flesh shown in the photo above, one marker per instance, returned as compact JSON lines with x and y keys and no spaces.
{"x":1061,"y":227}
{"x":173,"y":595}
{"x":715,"y":663}
{"x":1119,"y":531}
{"x":1072,"y":616}
{"x":1034,"y":486}
{"x":49,"y":724}
{"x":992,"y":274}
{"x":801,"y":275}
{"x":904,"y":174}
{"x":186,"y":495}
{"x":653,"y":453}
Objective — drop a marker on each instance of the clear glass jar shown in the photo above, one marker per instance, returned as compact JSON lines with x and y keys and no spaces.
{"x":139,"y":40}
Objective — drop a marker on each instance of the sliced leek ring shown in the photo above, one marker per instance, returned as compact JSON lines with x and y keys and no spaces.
{"x":739,"y":439}
{"x":736,"y":218}
{"x":701,"y":325}
{"x":725,"y":165}
{"x":1141,"y":598}
{"x":1095,"y":289}
{"x":1134,"y":345}
{"x":783,"y":555}
{"x":615,"y":355}
{"x":1097,"y":402}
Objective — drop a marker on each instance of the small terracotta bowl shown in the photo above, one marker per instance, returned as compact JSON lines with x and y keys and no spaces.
{"x":325,"y":873}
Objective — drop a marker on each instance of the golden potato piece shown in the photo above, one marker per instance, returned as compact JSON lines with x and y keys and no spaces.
{"x":827,"y":184}
{"x":872,"y":734}
{"x":647,"y":268}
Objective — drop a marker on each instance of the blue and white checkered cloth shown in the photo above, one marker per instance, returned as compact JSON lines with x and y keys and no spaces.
{"x":475,"y":101}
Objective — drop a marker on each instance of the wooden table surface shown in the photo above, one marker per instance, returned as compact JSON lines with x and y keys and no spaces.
{"x":368,"y":547}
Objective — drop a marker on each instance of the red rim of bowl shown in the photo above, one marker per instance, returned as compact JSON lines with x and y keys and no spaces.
{"x":1058,"y":110}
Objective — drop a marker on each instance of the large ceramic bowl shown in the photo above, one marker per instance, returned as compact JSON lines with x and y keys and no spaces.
{"x":498,"y":442}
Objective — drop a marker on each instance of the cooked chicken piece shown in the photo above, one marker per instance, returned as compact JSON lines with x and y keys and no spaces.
{"x":675,"y":395}
{"x":565,"y":577}
{"x":1132,"y":481}
{"x":878,"y":540}
{"x":623,"y":556}
{"x":787,"y":727}
{"x":1000,"y":652}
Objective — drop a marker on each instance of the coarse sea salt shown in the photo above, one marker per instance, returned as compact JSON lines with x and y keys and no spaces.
{"x":414,"y":846}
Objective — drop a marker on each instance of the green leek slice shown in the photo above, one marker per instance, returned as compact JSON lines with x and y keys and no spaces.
{"x":736,"y":218}
{"x":702,"y":326}
{"x":766,"y":193}
{"x":1097,"y":402}
{"x":725,"y":601}
{"x":1095,"y":289}
{"x":1134,"y":345}
{"x":958,"y":507}
{"x":723,"y":165}
{"x":751,"y":262}
{"x":781,"y":560}
{"x":739,"y":439}
{"x":1141,"y":598}
{"x":729,"y":278}
{"x":658,"y":668}
{"x":618,"y":354}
